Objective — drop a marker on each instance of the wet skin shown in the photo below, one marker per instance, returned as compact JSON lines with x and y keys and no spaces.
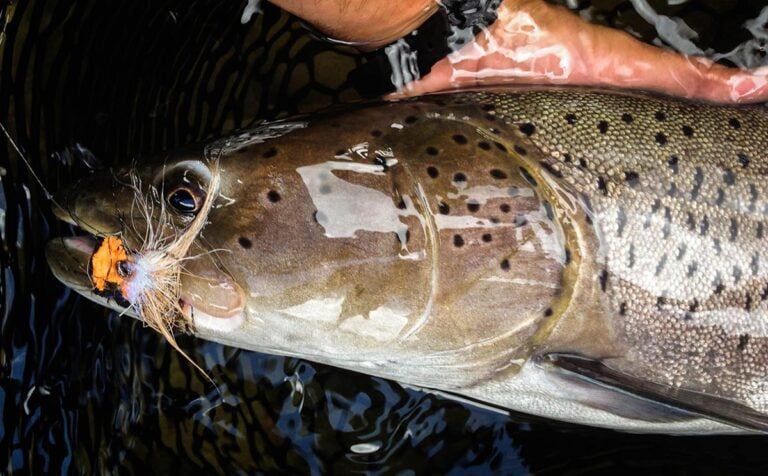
{"x":590,"y":257}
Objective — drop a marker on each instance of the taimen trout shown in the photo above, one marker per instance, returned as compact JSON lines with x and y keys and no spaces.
{"x":584,"y":256}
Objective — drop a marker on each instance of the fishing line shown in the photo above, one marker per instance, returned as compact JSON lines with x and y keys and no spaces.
{"x":48,"y":194}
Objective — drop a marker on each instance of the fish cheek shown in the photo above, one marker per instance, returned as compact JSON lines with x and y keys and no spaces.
{"x":209,"y":289}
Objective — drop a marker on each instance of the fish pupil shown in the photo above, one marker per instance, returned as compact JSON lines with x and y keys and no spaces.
{"x":183,"y":201}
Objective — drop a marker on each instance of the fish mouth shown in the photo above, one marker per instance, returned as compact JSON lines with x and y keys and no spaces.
{"x":69,"y":259}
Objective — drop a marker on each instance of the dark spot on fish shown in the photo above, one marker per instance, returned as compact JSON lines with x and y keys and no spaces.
{"x":376,"y":133}
{"x":693,"y":266}
{"x":245,"y":243}
{"x":626,"y":117}
{"x":754,"y":265}
{"x":661,"y":138}
{"x":504,"y":264}
{"x":271,"y":152}
{"x":473,"y":206}
{"x":487,"y":237}
{"x":631,"y":260}
{"x":498,"y":174}
{"x":623,"y":309}
{"x":720,"y":196}
{"x":764,"y":293}
{"x":568,"y":158}
{"x":431,"y":150}
{"x":459,"y":177}
{"x":661,"y":301}
{"x":501,"y":147}
{"x":743,"y":159}
{"x":667,"y":223}
{"x":603,"y":280}
{"x":602,"y":126}
{"x":527,"y":176}
{"x":458,"y":241}
{"x":567,"y":252}
{"x":325,"y":189}
{"x":728,"y":177}
{"x":484,"y":145}
{"x":459,"y":139}
{"x":519,"y":221}
{"x":410,"y":119}
{"x":717,"y":245}
{"x":737,"y":274}
{"x":691,"y":222}
{"x":432,"y":171}
{"x":489,"y":107}
{"x":688,"y":131}
{"x":752,"y":197}
{"x":719,"y":288}
{"x":673,"y":161}
{"x":760,"y":231}
{"x":495,"y":220}
{"x":672,"y":192}
{"x":656,"y":206}
{"x":570,"y":118}
{"x":743,"y":341}
{"x":520,"y":150}
{"x":505,"y":208}
{"x":632,"y":178}
{"x":704,"y":225}
{"x":681,"y":251}
{"x":660,"y":265}
{"x":273,"y":196}
{"x":527,"y":128}
{"x":734,"y":229}
{"x":698,"y":180}
{"x":601,"y":185}
{"x":551,"y":168}
{"x":735,"y":123}
{"x":401,"y":204}
{"x":688,"y":316}
{"x":443,"y":208}
{"x":583,"y":164}
{"x":660,"y":116}
{"x":548,"y":312}
{"x":694,"y":306}
{"x":407,"y":236}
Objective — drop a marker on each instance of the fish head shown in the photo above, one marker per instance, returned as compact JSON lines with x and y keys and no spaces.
{"x":148,"y":208}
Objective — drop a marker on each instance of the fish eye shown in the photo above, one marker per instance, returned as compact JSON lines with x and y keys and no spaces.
{"x":184,"y":200}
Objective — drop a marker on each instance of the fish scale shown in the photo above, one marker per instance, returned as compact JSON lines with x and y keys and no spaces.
{"x":697,"y":314}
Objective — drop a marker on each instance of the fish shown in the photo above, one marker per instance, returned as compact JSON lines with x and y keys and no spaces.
{"x":587,"y":256}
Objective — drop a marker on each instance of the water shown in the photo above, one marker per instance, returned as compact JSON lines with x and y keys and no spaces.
{"x":94,"y":84}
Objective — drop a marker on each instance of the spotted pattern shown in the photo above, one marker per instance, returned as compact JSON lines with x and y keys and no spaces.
{"x":676,"y":217}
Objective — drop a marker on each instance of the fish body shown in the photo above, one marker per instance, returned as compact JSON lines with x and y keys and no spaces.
{"x":584,"y":256}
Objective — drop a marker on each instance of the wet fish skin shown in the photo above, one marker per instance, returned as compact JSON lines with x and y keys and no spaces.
{"x":456,"y":241}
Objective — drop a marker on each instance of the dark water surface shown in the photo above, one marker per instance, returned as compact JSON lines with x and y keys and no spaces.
{"x":84,"y":391}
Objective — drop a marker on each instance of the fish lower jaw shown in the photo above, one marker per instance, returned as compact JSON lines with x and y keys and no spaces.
{"x":203,"y":321}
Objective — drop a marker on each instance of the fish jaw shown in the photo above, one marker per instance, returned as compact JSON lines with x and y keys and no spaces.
{"x":69,"y":260}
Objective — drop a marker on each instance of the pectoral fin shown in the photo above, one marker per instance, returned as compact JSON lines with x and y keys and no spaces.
{"x":708,"y":406}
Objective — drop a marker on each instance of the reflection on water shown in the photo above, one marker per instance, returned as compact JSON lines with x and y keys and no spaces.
{"x":84,"y":391}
